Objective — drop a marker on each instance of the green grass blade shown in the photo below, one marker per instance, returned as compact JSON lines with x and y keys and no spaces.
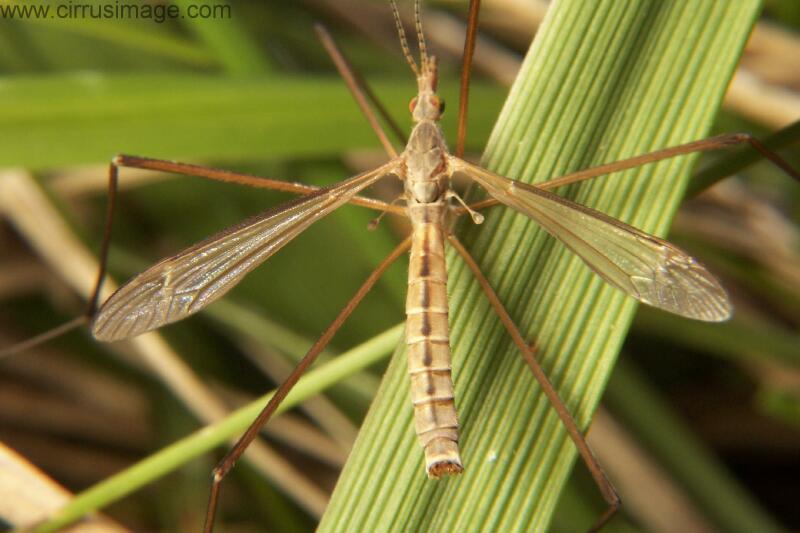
{"x":60,"y":120}
{"x":603,"y":80}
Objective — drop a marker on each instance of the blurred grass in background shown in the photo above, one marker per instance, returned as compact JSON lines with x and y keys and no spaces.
{"x":257,"y":94}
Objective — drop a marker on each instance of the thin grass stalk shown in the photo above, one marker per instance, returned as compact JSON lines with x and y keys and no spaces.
{"x":179,"y":453}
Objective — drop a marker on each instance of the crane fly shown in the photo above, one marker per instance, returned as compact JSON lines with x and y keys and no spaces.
{"x":647,"y":268}
{"x":643,"y":266}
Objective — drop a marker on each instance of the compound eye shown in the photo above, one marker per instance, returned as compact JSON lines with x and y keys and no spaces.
{"x":412,"y":105}
{"x":438,"y":103}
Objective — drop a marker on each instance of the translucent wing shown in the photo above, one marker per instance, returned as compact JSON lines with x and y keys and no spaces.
{"x":650,"y":269}
{"x":185,"y":283}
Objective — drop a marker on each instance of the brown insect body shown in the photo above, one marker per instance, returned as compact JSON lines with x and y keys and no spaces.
{"x":426,"y":177}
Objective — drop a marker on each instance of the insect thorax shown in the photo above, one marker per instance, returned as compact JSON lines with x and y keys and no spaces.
{"x":427,"y":177}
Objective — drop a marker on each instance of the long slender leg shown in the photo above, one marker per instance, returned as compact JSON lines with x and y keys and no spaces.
{"x":705,"y":145}
{"x":113,"y":188}
{"x":466,"y":71}
{"x":603,"y":483}
{"x":227,"y":176}
{"x":42,"y":338}
{"x":227,"y":462}
{"x":361,"y":92}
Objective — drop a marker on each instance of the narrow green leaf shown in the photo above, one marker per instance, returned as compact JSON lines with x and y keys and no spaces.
{"x":72,"y":119}
{"x":602,"y":81}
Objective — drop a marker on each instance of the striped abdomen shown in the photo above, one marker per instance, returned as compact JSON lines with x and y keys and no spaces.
{"x":428,"y":339}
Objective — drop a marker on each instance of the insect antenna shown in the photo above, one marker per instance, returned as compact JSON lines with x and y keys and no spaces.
{"x":403,"y":41}
{"x":423,"y":49}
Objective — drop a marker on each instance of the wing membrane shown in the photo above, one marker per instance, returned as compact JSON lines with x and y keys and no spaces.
{"x":185,"y":283}
{"x":648,"y":268}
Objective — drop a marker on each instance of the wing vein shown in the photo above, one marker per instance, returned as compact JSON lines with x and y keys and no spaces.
{"x":648,"y":268}
{"x":181,"y":285}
